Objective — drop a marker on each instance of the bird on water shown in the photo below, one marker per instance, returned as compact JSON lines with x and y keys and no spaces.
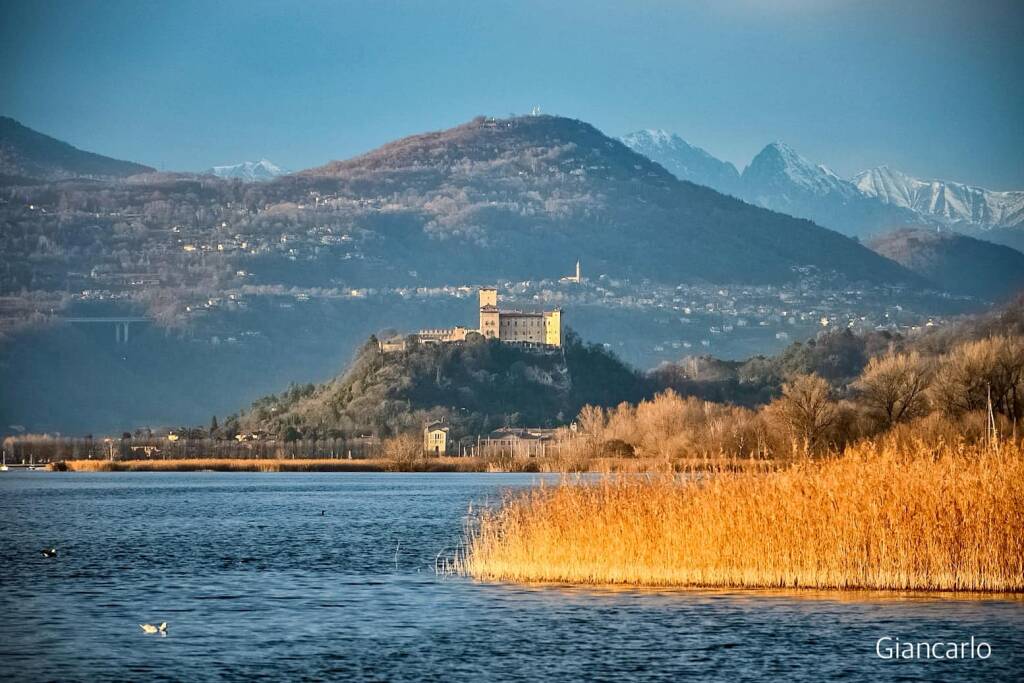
{"x":49,"y":552}
{"x":150,"y":628}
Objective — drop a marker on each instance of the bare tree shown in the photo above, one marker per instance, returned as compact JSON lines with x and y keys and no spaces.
{"x":969,"y":374}
{"x":893,"y":388}
{"x":806,"y":410}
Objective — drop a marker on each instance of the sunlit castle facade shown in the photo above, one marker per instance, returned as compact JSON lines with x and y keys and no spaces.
{"x":531,"y":327}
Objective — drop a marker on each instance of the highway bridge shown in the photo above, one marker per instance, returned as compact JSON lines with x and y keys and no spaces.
{"x":121,"y":324}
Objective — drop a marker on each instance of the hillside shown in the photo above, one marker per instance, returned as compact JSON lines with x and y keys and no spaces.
{"x":955,"y":262}
{"x":26,"y":154}
{"x":477,"y":385}
{"x":481,"y":385}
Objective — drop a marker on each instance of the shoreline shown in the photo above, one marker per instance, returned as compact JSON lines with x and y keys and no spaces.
{"x":434,"y":465}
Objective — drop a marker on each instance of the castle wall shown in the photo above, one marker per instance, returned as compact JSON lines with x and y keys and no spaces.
{"x":522,"y":327}
{"x":553,"y":327}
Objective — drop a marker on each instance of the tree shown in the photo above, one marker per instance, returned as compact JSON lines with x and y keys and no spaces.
{"x":213,"y":425}
{"x":971,"y":373}
{"x":806,"y":410}
{"x":894,"y":387}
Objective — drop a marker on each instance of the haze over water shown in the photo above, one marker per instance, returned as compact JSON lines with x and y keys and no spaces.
{"x":254,"y":581}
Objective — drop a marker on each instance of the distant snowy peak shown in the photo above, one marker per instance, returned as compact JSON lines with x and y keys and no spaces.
{"x":683,"y":160}
{"x":947,"y":201}
{"x":778,"y":165}
{"x":249,"y":171}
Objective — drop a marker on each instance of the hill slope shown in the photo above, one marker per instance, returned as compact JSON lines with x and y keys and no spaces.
{"x":525,"y":196}
{"x":955,"y":262}
{"x":26,"y":153}
{"x":478,"y":385}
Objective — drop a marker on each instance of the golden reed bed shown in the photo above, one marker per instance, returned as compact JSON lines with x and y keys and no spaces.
{"x":876,"y":518}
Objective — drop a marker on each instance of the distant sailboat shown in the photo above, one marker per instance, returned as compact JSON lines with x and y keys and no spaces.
{"x":4,"y":467}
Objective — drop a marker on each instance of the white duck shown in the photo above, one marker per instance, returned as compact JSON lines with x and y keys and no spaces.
{"x":149,"y":628}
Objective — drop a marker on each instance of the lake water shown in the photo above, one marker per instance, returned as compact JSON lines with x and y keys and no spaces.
{"x":255,"y":582}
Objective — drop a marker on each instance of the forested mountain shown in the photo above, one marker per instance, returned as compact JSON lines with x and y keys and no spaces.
{"x":492,"y":199}
{"x":507,"y":196}
{"x":27,"y":155}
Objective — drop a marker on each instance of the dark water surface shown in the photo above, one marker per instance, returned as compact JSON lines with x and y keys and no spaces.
{"x":255,"y":583}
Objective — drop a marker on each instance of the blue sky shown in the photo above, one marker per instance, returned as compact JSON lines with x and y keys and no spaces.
{"x":932,"y":88}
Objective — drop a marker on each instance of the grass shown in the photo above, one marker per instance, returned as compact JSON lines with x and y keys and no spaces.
{"x":268,"y":465}
{"x":881,"y":516}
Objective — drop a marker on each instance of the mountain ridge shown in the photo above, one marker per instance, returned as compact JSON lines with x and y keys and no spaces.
{"x":872,"y":202}
{"x":948,"y":201}
{"x":248,"y":171}
{"x":26,"y":154}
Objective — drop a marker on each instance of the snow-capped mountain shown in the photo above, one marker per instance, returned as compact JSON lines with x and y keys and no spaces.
{"x":780,"y":179}
{"x":872,"y":202}
{"x":779,"y":175}
{"x":249,"y":171}
{"x":958,"y":205}
{"x":683,"y":160}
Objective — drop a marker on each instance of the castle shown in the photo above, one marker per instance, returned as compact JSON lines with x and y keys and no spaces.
{"x":508,"y":325}
{"x":543,"y":327}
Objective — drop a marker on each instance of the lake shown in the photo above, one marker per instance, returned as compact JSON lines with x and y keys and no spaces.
{"x":255,"y":582}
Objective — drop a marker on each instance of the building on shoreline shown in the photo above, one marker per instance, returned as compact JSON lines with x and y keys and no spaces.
{"x":436,"y":439}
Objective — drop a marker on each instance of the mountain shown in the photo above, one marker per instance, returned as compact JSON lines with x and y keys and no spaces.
{"x":514,"y":198}
{"x":961,"y":206}
{"x":955,"y":262}
{"x":249,"y":171}
{"x":685,"y":161}
{"x":778,"y":178}
{"x":477,"y":386}
{"x":27,"y":155}
{"x":872,"y":202}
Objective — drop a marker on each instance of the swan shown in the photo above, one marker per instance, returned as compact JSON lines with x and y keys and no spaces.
{"x":149,"y":628}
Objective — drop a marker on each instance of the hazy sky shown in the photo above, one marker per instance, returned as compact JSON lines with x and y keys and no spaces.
{"x":931,"y":87}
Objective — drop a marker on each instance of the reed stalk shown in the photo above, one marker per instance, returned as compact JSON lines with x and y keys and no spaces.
{"x":878,"y":516}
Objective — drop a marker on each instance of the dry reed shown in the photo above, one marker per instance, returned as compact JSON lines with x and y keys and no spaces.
{"x":878,"y":517}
